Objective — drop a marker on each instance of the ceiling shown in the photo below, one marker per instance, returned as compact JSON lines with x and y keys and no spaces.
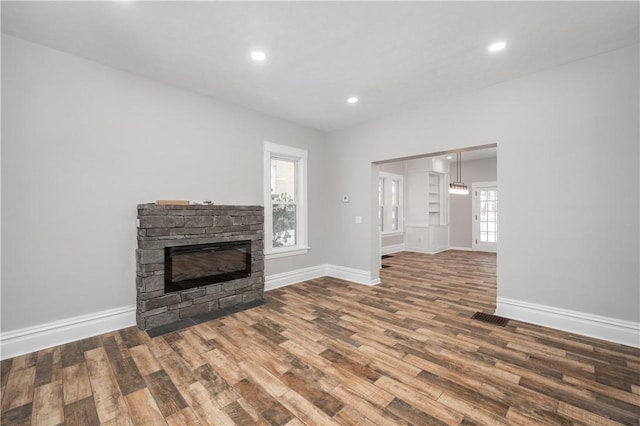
{"x":393,"y":56}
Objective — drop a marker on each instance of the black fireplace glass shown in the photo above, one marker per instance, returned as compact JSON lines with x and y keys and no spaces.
{"x":203,"y":264}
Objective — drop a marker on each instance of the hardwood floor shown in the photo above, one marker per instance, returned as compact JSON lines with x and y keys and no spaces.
{"x":330,"y":352}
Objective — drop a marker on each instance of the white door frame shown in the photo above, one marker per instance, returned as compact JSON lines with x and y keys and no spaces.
{"x":475,"y":216}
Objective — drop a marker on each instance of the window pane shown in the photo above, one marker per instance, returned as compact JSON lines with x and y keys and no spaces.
{"x":381,"y":218}
{"x":380,"y":192}
{"x":488,"y":216}
{"x":394,"y":218}
{"x":283,"y":180}
{"x":394,"y":192}
{"x":284,"y":225}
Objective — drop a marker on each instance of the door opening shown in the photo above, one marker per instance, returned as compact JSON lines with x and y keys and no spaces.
{"x":485,"y":216}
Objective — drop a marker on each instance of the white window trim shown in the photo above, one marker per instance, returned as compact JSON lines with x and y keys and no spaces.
{"x":273,"y":150}
{"x":388,"y":177}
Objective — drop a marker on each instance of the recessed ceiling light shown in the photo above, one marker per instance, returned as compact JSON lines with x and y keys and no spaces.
{"x":449,"y":157}
{"x":258,"y":55}
{"x":497,"y":46}
{"x":352,"y":100}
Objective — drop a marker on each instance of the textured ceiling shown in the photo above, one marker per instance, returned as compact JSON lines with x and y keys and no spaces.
{"x":392,"y":55}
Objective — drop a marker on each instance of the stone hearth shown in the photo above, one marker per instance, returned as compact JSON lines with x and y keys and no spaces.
{"x":169,"y":226}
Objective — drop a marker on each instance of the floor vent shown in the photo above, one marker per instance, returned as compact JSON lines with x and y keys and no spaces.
{"x":491,"y":319}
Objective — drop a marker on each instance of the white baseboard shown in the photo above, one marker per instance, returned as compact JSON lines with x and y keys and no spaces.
{"x":425,"y":251}
{"x":349,"y":274}
{"x":440,"y":249}
{"x":460,"y":248}
{"x":605,"y":328}
{"x":31,"y":339}
{"x":418,"y":250}
{"x":284,"y":279}
{"x":393,"y":248}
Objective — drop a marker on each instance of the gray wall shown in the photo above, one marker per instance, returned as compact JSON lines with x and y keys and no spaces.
{"x":559,"y":134}
{"x":460,"y":206}
{"x":83,"y":144}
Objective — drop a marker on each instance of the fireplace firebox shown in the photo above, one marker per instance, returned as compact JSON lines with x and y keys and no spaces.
{"x":202,"y":264}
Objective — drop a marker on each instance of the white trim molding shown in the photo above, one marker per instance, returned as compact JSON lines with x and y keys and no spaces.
{"x":425,"y":251}
{"x":287,"y":252}
{"x":284,"y":279}
{"x":292,"y":277}
{"x":460,"y":248}
{"x":350,"y":274}
{"x":600,"y":327}
{"x":31,"y":339}
{"x":392,"y":248}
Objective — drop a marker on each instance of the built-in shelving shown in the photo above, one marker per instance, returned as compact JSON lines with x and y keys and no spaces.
{"x":426,"y":213}
{"x":434,"y":198}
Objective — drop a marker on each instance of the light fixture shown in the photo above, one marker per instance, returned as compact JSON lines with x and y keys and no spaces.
{"x":258,"y":55}
{"x":458,"y":187}
{"x":497,"y":46}
{"x":449,"y":157}
{"x":352,"y":100}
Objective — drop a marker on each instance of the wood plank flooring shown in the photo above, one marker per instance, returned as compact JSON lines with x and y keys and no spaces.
{"x":329,"y":352}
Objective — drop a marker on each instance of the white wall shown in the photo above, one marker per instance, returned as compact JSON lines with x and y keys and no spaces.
{"x":396,"y":167}
{"x":83,"y":144}
{"x":558,"y":133}
{"x":460,"y":206}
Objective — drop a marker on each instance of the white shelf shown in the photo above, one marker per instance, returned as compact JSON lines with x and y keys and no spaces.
{"x":434,"y":199}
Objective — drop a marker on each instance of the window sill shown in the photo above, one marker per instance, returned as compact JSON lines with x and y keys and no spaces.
{"x":392,"y":233}
{"x":294,"y":251}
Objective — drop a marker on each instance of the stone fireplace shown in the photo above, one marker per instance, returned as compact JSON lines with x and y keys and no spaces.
{"x":194,"y":260}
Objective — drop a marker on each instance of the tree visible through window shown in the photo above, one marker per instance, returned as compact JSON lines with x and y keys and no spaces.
{"x":283,"y":202}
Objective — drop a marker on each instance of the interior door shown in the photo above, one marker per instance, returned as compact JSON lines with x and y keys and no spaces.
{"x":485,"y":216}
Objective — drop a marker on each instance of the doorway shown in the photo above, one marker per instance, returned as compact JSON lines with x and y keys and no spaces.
{"x":485,"y":216}
{"x":433,"y":222}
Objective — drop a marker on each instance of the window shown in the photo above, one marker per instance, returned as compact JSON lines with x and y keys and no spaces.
{"x":285,"y":208}
{"x":488,"y":216}
{"x":381,"y":204}
{"x":390,"y":208}
{"x":395,"y":189}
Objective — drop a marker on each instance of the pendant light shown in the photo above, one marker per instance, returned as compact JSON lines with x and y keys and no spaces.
{"x":458,"y":187}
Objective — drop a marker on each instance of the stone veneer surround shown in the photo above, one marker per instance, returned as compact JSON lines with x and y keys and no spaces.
{"x":170,"y":226}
